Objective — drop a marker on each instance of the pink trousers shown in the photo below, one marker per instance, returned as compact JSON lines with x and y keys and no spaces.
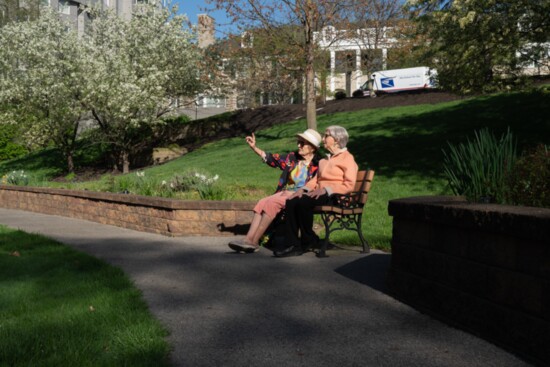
{"x":273,"y":204}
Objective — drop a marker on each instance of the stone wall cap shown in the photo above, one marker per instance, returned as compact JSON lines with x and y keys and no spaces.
{"x":522,"y":221}
{"x":140,"y":200}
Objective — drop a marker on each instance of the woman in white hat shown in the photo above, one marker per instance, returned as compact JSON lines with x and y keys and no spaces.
{"x":298,"y":168}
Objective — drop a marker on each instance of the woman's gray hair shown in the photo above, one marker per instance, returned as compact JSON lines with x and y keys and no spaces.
{"x":339,"y":134}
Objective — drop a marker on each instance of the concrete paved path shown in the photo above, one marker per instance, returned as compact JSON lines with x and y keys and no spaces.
{"x":226,"y":309}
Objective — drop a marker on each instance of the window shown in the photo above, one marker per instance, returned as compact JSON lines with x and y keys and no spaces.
{"x":64,"y":7}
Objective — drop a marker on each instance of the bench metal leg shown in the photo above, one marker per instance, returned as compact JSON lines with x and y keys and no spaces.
{"x":364,"y":242}
{"x":353,"y":223}
{"x":322,"y":252}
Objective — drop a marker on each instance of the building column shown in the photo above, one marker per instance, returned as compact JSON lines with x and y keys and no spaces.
{"x":332,"y":68}
{"x":385,"y":58}
{"x":358,"y":72}
{"x":231,"y":102}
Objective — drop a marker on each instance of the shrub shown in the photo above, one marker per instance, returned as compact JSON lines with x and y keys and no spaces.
{"x":8,"y":148}
{"x":529,"y":181}
{"x":12,"y":150}
{"x":477,"y":169}
{"x":179,"y":120}
{"x":340,"y":94}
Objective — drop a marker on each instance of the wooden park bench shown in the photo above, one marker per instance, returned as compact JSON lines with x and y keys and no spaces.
{"x":347,"y":212}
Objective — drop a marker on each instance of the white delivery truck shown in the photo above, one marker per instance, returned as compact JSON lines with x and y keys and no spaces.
{"x":398,"y":80}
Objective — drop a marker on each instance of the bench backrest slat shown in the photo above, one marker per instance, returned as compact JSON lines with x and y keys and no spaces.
{"x":363,"y":184}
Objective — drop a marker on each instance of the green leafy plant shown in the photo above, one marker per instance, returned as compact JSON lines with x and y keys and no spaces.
{"x":70,"y":177}
{"x":208,"y":188}
{"x":144,"y":185}
{"x":122,"y":184}
{"x":477,"y":168}
{"x":529,"y":181}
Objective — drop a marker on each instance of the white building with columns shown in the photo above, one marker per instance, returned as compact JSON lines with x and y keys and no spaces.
{"x":347,"y":51}
{"x":353,"y":47}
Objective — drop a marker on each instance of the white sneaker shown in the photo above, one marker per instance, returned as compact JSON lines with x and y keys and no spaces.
{"x":242,"y":246}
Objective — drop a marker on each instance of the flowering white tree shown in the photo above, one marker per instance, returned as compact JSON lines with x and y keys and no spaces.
{"x":124,"y":72}
{"x":41,"y":80}
{"x":134,"y":69}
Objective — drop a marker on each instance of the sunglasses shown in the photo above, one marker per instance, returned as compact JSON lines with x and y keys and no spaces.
{"x":301,"y":142}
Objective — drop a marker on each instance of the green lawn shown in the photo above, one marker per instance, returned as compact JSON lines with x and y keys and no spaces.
{"x":402,"y":144}
{"x":59,"y":307}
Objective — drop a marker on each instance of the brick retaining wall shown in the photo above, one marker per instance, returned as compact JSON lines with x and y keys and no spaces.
{"x":142,"y":213}
{"x":479,"y":266}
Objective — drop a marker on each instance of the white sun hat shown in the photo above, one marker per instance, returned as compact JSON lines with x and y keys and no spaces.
{"x":312,"y":137}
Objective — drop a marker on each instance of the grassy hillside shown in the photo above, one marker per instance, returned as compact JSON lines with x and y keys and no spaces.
{"x":402,"y":144}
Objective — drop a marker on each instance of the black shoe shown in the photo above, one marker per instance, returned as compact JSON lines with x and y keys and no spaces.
{"x":289,"y":251}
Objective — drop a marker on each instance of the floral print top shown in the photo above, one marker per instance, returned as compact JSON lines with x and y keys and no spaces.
{"x":287,"y":163}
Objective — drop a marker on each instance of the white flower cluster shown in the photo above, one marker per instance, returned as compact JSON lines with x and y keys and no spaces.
{"x":16,"y":178}
{"x":205,"y":180}
{"x":165,"y":183}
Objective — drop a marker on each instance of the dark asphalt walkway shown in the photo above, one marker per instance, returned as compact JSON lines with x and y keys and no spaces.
{"x":225,"y":309}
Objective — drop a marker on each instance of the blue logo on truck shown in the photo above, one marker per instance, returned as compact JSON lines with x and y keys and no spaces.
{"x":387,"y":82}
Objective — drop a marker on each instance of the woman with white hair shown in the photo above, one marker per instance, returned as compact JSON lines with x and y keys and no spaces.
{"x":337,"y":175}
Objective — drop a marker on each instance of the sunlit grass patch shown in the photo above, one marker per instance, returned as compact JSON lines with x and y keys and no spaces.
{"x":60,"y":307}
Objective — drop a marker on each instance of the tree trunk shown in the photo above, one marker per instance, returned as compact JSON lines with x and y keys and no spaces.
{"x":125,"y":162}
{"x":70,"y":162}
{"x":113,"y":160}
{"x":311,"y":106}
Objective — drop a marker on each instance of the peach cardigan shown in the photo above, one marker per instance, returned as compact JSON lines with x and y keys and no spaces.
{"x":337,"y":174}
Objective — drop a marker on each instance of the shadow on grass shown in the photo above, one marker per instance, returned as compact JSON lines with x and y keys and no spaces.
{"x":413,"y":143}
{"x":50,"y":162}
{"x":48,"y":159}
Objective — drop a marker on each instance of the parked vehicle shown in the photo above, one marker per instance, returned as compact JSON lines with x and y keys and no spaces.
{"x":399,"y":80}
